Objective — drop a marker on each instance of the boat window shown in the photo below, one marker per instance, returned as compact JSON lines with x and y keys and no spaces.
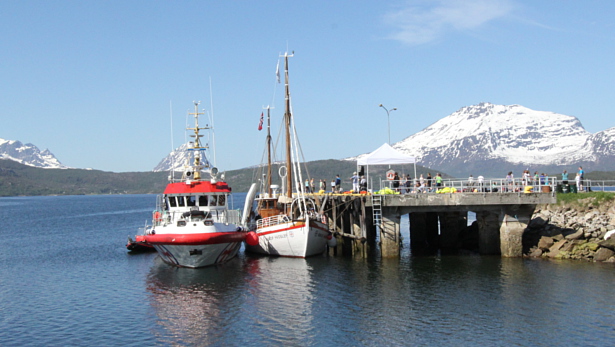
{"x":180,"y":201}
{"x":203,"y":200}
{"x":213,"y":200}
{"x":181,"y":223}
{"x":191,"y":200}
{"x":221,"y":200}
{"x":172,"y":201}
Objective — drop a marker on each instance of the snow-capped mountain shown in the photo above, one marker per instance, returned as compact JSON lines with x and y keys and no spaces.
{"x":28,"y":154}
{"x":493,"y":139}
{"x":175,"y":160}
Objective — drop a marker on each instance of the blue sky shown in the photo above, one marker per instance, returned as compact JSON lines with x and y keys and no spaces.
{"x":94,"y":81}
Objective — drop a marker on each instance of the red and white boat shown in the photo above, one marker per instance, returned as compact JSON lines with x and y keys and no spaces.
{"x":192,"y":225}
{"x":287,"y":224}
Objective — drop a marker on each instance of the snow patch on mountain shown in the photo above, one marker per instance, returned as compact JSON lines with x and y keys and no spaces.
{"x":176,"y":160}
{"x":492,"y":135}
{"x":29,"y":154}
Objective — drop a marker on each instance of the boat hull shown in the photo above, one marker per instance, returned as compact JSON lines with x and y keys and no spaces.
{"x":196,"y":249}
{"x":292,"y":239}
{"x":195,"y":256}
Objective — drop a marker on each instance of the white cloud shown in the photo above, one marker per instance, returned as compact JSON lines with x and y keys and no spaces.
{"x":425,"y":21}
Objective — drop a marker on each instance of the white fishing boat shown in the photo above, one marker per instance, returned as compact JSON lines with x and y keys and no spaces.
{"x":192,"y":225}
{"x":286,"y":224}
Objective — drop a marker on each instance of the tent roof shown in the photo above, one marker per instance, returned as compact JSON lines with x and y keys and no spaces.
{"x":386,"y":155}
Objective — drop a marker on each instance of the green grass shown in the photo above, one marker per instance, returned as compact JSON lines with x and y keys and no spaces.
{"x":579,"y":199}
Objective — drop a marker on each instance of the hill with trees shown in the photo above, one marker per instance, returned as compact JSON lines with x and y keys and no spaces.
{"x":21,"y":180}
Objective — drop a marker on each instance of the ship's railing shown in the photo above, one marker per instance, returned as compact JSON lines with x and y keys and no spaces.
{"x":271,"y":221}
{"x":233,"y":217}
{"x":217,"y":216}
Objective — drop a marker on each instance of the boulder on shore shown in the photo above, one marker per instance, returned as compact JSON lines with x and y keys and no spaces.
{"x":572,"y":232}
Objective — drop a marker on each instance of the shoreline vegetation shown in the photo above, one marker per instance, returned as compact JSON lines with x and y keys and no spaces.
{"x":17,"y":179}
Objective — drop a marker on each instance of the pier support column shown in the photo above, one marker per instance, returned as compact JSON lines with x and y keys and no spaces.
{"x":389,"y":235}
{"x":514,"y":219}
{"x":359,"y":248}
{"x":488,"y":232}
{"x":335,"y":226}
{"x":451,"y":223}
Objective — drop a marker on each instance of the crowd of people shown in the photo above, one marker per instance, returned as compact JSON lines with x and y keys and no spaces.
{"x":405,"y":184}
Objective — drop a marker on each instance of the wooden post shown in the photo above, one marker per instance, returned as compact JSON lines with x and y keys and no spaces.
{"x":389,"y":234}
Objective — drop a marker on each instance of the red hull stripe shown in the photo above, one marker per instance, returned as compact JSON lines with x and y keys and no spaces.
{"x":297,"y":226}
{"x":196,"y":239}
{"x":197,"y":187}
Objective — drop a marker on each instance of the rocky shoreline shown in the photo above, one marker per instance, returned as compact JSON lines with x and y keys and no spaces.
{"x":572,"y":231}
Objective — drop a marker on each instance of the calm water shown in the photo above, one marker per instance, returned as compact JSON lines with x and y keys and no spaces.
{"x":66,"y":279}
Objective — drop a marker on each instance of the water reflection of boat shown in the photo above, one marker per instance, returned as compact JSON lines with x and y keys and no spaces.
{"x":197,"y":306}
{"x":190,"y":304}
{"x":282,"y":297}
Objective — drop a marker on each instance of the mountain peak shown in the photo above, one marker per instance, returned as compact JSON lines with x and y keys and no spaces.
{"x":28,"y":154}
{"x":492,"y":138}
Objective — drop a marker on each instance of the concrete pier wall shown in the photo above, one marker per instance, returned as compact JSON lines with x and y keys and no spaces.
{"x":436,"y":221}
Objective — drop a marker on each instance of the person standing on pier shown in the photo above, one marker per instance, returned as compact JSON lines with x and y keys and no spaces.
{"x":470,"y":183}
{"x":565,"y":177}
{"x":481,"y":180}
{"x":582,"y":174}
{"x":396,"y":182}
{"x":363,"y":184}
{"x":307,"y":186}
{"x":312,"y":186}
{"x":509,"y":181}
{"x":438,"y":180}
{"x":429,"y":181}
{"x":338,"y":184}
{"x":408,"y":184}
{"x":355,"y":182}
{"x":323,"y":185}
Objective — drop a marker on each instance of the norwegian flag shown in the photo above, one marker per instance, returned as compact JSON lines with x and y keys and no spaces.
{"x":260,"y":124}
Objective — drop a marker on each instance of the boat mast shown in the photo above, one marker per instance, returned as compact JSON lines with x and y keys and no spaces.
{"x":197,"y":165}
{"x":269,"y":190}
{"x":287,"y":115}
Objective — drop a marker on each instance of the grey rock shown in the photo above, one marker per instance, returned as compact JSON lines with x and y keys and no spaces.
{"x":603,"y":254}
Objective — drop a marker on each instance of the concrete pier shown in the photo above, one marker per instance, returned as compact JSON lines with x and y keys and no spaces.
{"x":437,"y":222}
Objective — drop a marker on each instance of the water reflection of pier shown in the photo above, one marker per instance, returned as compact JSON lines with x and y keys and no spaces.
{"x":436,"y":221}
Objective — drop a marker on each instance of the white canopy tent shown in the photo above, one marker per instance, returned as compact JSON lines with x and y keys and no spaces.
{"x":385,"y":155}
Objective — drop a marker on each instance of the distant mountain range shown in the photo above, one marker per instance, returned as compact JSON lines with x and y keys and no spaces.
{"x":490,"y":140}
{"x":29,"y":154}
{"x":483,"y":139}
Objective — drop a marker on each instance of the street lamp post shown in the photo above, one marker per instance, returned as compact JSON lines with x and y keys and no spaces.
{"x":389,"y":120}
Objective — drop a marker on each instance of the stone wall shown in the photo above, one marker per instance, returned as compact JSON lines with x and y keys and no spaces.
{"x":572,"y":231}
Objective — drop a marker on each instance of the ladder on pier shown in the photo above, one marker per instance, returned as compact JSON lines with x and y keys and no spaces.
{"x":377,"y":209}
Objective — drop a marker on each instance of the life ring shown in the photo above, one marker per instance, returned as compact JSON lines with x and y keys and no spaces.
{"x":157,"y":216}
{"x":391,"y":175}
